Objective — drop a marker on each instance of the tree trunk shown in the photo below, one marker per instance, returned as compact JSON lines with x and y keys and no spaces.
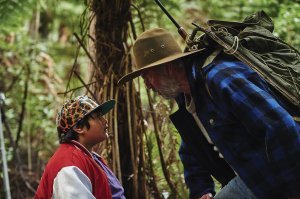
{"x":112,"y":60}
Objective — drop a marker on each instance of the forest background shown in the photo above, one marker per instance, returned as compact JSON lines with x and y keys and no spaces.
{"x":53,"y":50}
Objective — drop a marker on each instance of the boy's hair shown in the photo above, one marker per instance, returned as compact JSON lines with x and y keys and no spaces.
{"x":72,"y":134}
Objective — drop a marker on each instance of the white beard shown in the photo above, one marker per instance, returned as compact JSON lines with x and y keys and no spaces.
{"x":169,"y":89}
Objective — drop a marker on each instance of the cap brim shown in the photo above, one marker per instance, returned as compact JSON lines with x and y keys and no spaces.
{"x":105,"y":107}
{"x":138,"y":72}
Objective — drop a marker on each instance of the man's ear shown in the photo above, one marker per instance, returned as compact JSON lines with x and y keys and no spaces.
{"x":79,"y":130}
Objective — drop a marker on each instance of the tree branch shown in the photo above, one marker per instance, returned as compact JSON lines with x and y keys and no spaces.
{"x":25,"y":94}
{"x":74,"y":89}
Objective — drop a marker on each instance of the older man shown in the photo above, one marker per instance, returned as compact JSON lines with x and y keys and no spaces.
{"x":226,"y":110}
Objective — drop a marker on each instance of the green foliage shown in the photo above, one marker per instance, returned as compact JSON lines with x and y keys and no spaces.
{"x":287,"y":24}
{"x":284,"y":13}
{"x":170,"y":144}
{"x":43,"y":62}
{"x":13,"y":13}
{"x":19,"y":64}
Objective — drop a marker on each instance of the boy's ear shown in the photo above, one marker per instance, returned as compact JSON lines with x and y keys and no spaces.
{"x":79,"y":130}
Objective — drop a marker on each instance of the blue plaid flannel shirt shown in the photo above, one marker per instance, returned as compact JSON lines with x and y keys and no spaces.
{"x":251,"y":127}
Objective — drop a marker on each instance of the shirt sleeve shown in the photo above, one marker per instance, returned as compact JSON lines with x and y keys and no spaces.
{"x":197,"y":177}
{"x":238,"y":89}
{"x":72,"y":183}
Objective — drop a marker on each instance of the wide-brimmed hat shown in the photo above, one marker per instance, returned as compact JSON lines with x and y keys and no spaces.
{"x":153,"y":48}
{"x":76,"y":109}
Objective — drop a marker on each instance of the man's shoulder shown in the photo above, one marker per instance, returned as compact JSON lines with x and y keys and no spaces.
{"x":224,"y":69}
{"x":220,"y":64}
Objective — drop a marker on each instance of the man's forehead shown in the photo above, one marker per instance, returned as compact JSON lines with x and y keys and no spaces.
{"x":149,"y":71}
{"x":153,"y":70}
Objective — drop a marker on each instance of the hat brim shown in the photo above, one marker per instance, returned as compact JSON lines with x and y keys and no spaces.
{"x":105,"y":107}
{"x":138,"y":72}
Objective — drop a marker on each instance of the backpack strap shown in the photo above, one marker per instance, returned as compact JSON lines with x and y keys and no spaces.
{"x":211,"y":57}
{"x":199,"y":66}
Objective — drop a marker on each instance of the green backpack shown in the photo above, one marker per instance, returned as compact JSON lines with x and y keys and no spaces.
{"x":253,"y":43}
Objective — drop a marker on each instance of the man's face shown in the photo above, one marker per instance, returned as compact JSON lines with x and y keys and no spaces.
{"x":159,"y":81}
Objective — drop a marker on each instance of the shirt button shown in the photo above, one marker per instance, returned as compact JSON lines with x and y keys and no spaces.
{"x":215,"y":148}
{"x":212,"y":122}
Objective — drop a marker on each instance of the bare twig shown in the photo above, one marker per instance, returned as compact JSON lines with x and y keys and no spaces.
{"x":140,"y":17}
{"x":116,"y":139}
{"x":73,"y":68}
{"x":133,"y":160}
{"x":74,"y":89}
{"x":18,"y":161}
{"x":87,"y":88}
{"x":84,"y":48}
{"x":25,"y":94}
{"x":15,"y":79}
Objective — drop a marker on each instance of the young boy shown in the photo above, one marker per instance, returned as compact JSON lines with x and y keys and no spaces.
{"x":75,"y":171}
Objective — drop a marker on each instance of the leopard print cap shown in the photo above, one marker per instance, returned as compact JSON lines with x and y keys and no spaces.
{"x":73,"y":111}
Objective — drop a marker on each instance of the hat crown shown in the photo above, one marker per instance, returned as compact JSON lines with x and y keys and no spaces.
{"x":73,"y":111}
{"x":152,"y":49}
{"x":154,"y":45}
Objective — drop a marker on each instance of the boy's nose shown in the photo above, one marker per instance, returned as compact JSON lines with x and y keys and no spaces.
{"x":105,"y":121}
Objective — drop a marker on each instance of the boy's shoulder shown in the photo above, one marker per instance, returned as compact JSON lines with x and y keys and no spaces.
{"x":67,"y":154}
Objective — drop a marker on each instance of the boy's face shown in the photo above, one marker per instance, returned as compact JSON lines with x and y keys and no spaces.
{"x":97,"y":131}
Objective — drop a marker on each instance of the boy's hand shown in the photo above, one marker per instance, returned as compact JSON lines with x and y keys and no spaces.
{"x":207,"y":196}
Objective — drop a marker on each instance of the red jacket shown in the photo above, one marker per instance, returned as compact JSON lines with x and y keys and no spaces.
{"x":72,"y":173}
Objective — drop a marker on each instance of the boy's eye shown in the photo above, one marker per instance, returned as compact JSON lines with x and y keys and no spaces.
{"x":97,"y":115}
